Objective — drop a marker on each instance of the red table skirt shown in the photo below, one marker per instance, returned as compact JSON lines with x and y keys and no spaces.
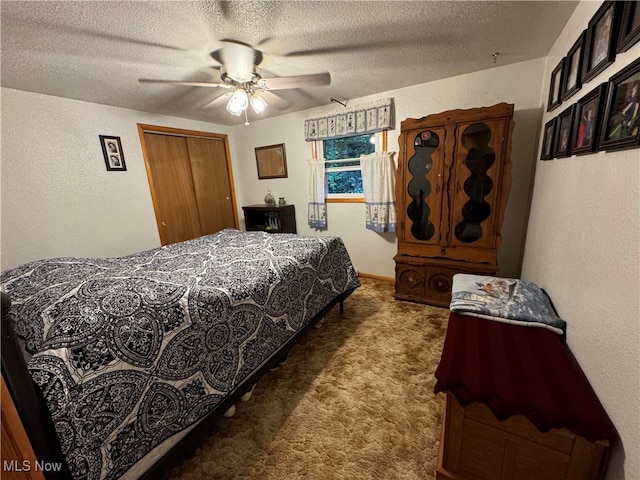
{"x":517,"y":370}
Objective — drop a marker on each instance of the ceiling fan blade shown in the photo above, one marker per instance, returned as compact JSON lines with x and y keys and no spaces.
{"x":239,"y":60}
{"x":296,"y":81}
{"x":47,"y":29}
{"x":186,"y":83}
{"x":216,"y":101}
{"x":274,"y":100}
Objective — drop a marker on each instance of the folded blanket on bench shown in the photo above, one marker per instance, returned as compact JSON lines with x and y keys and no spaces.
{"x":505,"y":300}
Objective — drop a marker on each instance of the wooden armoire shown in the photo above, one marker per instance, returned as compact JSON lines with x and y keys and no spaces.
{"x":453,"y":181}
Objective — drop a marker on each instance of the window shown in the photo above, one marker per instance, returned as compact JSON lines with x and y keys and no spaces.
{"x":342,"y":164}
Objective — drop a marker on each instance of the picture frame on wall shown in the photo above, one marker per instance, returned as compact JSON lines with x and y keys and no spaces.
{"x":562,"y":141}
{"x":271,"y":161}
{"x":621,"y":125}
{"x":629,"y":26}
{"x":602,"y":36}
{"x":555,"y":86}
{"x":112,"y":152}
{"x":546,"y":153}
{"x":588,"y":118}
{"x":573,"y":68}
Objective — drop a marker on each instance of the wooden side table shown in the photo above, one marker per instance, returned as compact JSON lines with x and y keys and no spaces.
{"x":273,"y":219}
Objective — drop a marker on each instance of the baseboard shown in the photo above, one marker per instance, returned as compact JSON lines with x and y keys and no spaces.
{"x":376,"y":277}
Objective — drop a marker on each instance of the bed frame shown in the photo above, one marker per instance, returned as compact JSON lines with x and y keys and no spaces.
{"x":39,"y":427}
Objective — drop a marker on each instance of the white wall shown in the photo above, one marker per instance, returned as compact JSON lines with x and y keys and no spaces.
{"x":582,"y":246}
{"x":58,"y":199}
{"x":372,"y":252}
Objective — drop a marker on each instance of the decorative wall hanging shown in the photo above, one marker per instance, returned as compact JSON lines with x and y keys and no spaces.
{"x":555,"y":87}
{"x":563,"y":134}
{"x":587,"y":121}
{"x":602,"y":34}
{"x":369,"y":117}
{"x":629,"y":26}
{"x":271,"y":161}
{"x":112,"y":151}
{"x":547,"y":141}
{"x":573,"y":68}
{"x":621,"y":126}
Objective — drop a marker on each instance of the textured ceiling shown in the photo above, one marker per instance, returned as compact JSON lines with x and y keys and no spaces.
{"x":96,"y":51}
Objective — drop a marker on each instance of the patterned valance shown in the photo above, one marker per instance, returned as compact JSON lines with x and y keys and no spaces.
{"x":369,"y":117}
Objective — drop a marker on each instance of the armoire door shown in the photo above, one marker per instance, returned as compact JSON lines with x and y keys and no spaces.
{"x":423,"y":184}
{"x":475,"y":187}
{"x":191,"y":185}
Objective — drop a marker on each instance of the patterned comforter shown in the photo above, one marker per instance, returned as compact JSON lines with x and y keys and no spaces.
{"x":130,"y":351}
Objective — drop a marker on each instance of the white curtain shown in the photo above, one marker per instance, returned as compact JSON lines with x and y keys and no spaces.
{"x":378,"y":182}
{"x":317,"y":213}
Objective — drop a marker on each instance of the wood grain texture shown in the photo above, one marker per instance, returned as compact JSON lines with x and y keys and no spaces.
{"x":476,"y":446}
{"x":467,"y":179}
{"x":15,"y":444}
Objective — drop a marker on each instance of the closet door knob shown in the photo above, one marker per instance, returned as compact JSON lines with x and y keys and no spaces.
{"x":164,"y":224}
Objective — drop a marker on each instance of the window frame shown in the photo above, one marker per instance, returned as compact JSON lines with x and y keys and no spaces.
{"x":318,"y":152}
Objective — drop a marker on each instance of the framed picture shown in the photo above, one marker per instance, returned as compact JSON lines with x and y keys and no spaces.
{"x":547,"y":141}
{"x":555,"y":86}
{"x":562,"y":141}
{"x":621,"y":125}
{"x":271,"y":161}
{"x":629,"y":26}
{"x":112,"y":151}
{"x":587,"y":122}
{"x":602,"y":35}
{"x":573,"y":68}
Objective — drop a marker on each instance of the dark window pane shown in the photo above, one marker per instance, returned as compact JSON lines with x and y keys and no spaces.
{"x":344,"y":182}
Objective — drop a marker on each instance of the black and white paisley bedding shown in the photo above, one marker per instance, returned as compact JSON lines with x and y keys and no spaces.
{"x":130,"y":351}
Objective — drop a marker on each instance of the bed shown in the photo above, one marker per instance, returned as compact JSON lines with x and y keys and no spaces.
{"x":130,"y":354}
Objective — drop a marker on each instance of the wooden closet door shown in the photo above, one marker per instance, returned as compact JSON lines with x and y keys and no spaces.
{"x":172,"y":188}
{"x":211,"y":184}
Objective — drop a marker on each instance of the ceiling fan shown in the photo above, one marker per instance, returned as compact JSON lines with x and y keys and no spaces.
{"x":240,"y":75}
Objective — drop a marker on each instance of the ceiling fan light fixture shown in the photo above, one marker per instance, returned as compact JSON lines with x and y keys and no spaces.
{"x":238,"y":102}
{"x":258,"y":103}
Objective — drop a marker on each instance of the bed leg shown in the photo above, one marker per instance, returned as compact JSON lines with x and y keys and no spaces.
{"x":231,"y":412}
{"x":247,"y":396}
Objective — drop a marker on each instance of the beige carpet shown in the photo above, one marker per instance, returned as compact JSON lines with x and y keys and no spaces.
{"x":354,"y":401}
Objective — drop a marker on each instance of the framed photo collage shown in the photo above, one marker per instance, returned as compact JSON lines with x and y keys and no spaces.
{"x":608,"y":117}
